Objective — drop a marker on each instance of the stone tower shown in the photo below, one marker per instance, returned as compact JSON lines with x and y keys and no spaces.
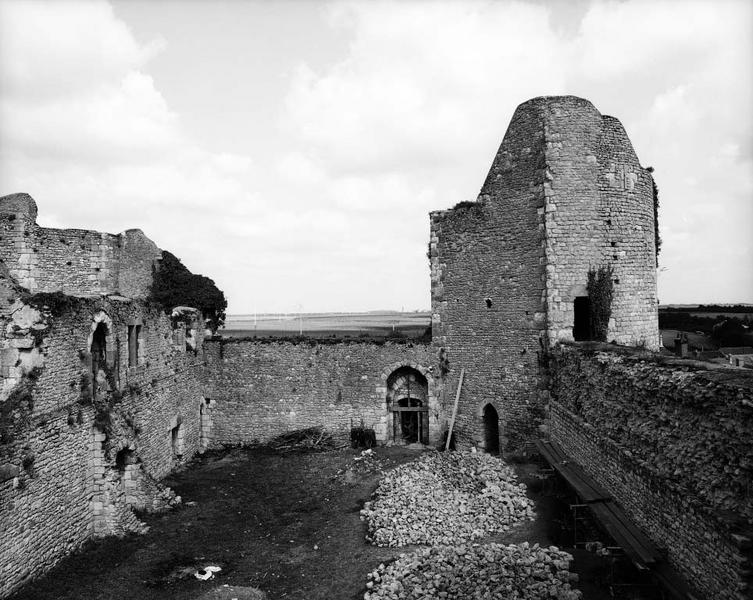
{"x":565,"y":194}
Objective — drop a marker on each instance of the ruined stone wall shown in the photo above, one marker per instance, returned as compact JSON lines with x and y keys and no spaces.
{"x":493,"y":250}
{"x":45,"y":509}
{"x":261,"y":389}
{"x":673,"y":446}
{"x":599,"y":212}
{"x":73,"y":261}
{"x":63,"y":476}
{"x":565,"y":194}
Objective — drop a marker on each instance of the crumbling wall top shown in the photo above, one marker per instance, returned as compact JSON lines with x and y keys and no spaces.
{"x":20,"y":203}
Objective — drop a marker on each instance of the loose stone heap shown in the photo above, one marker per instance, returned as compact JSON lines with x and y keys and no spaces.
{"x":489,"y":572}
{"x":445,"y":498}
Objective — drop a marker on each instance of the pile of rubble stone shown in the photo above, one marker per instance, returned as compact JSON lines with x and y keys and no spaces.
{"x":489,"y":572}
{"x":445,"y":498}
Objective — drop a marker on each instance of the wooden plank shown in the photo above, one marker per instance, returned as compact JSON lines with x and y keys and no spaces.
{"x":633,"y":531}
{"x":558,"y":453}
{"x":410,"y":409}
{"x":632,"y":540}
{"x":641,"y":556}
{"x":455,"y":409}
{"x":546,"y":450}
{"x":590,"y":490}
{"x":584,"y":486}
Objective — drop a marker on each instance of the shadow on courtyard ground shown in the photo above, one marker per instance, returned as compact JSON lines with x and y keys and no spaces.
{"x":285,"y":523}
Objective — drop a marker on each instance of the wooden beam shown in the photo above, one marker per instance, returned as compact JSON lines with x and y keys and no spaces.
{"x":455,"y":409}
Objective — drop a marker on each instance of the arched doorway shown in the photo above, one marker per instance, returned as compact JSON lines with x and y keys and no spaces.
{"x":491,"y":429}
{"x":407,"y":401}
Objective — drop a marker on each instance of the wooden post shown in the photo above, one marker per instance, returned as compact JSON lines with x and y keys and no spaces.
{"x":455,"y":409}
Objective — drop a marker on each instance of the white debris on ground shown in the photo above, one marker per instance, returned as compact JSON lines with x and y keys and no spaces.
{"x":207,"y":572}
{"x":445,"y":498}
{"x":488,"y":572}
{"x":365,"y":464}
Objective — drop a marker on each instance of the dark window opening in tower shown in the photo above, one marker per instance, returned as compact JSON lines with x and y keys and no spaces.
{"x":582,"y":318}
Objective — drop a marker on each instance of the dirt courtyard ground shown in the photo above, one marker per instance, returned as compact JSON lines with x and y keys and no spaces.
{"x":287,"y":524}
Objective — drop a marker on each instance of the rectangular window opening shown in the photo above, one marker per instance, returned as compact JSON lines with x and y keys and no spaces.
{"x":582,"y":319}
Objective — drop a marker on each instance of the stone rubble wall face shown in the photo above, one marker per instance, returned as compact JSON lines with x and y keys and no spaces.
{"x":590,"y":400}
{"x":494,"y":250}
{"x":564,"y":185}
{"x":75,"y":261}
{"x":574,"y":223}
{"x":627,"y":200}
{"x":138,"y":254}
{"x":52,"y":515}
{"x":599,"y":212}
{"x":260,"y":390}
{"x":76,"y":490}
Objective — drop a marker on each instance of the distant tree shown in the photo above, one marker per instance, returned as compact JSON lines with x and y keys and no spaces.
{"x":174,"y":285}
{"x":730,"y":332}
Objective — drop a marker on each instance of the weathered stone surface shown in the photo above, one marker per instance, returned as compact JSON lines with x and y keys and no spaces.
{"x":74,"y":261}
{"x":71,"y":480}
{"x":565,"y":193}
{"x":485,"y":571}
{"x":266,"y":388}
{"x":671,"y":443}
{"x":445,"y":498}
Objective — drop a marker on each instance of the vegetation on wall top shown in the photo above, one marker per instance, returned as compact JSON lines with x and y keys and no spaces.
{"x":56,"y":303}
{"x":174,"y":285}
{"x":16,"y":409}
{"x":657,"y":237}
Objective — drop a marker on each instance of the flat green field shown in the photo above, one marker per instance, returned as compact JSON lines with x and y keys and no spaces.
{"x":323,"y":325}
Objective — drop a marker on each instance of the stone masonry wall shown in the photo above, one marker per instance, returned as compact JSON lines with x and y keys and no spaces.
{"x":73,"y":261}
{"x":63,"y":475}
{"x":487,"y":286}
{"x":261,"y":389}
{"x":672,"y":444}
{"x":599,"y":212}
{"x":565,"y":193}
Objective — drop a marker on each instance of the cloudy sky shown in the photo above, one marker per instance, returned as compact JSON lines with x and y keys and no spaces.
{"x":292,"y":150}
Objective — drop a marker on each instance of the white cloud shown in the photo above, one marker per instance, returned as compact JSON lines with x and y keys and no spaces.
{"x":54,"y":49}
{"x":418,"y":82}
{"x":86,"y":132}
{"x":409,"y":120}
{"x":406,"y":121}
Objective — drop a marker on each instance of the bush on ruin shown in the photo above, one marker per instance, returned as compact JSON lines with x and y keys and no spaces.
{"x":174,"y":285}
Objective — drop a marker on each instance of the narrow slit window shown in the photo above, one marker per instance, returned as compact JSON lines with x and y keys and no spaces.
{"x":134,"y":333}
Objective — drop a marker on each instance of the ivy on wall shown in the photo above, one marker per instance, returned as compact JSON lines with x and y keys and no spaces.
{"x":600,"y":289}
{"x":16,"y":409}
{"x":657,"y":237}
